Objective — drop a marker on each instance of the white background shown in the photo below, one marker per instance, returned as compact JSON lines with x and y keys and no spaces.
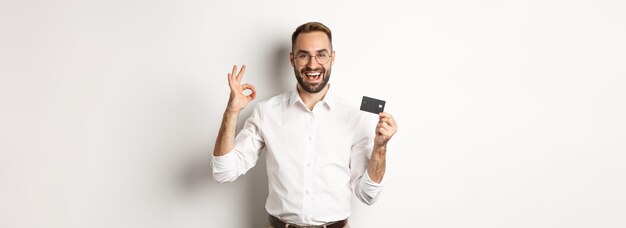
{"x":511,"y":113}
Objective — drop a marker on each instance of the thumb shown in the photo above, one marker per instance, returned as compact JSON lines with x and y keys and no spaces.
{"x":252,"y":95}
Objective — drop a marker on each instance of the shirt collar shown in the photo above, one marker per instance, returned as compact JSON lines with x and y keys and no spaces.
{"x":329,"y":98}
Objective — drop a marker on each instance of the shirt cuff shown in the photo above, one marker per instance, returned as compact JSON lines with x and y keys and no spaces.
{"x":224,"y":163}
{"x":369,"y":187}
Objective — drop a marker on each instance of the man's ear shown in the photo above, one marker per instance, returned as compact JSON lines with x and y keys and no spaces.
{"x":291,"y":58}
{"x":332,"y":58}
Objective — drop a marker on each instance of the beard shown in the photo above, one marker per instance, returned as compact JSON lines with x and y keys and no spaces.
{"x":312,"y":87}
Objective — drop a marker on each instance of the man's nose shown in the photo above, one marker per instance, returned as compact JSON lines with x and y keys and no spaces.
{"x":312,"y":62}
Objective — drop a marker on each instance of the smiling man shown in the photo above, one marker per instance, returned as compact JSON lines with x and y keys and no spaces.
{"x":319,"y":150}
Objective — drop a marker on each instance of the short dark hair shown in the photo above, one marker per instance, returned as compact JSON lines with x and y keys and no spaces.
{"x":311,"y":27}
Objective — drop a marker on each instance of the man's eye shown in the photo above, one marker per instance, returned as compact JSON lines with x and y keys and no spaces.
{"x":322,"y":55}
{"x":302,"y":56}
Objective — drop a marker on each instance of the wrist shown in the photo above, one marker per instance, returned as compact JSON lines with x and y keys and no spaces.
{"x":231,"y":112}
{"x":380,"y":146}
{"x":380,"y":150}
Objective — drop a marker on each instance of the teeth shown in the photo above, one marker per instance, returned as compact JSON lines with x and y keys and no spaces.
{"x":313,"y":74}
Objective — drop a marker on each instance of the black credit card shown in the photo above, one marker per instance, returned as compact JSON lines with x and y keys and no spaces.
{"x":372,"y":105}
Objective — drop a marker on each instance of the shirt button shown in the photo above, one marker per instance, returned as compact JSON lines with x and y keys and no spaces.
{"x":308,"y":164}
{"x":306,"y":191}
{"x":310,"y":138}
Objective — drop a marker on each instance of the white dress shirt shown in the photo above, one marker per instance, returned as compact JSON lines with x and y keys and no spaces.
{"x":315,"y":159}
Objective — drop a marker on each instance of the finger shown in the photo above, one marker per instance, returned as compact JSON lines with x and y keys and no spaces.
{"x":383,"y":132}
{"x":385,"y":120}
{"x":233,"y":73}
{"x":241,"y":72}
{"x":382,"y":119}
{"x":231,"y":83}
{"x":248,"y":86}
{"x":388,"y":121}
{"x":386,"y":127}
{"x":252,"y":95}
{"x":384,"y":114}
{"x":390,"y":130}
{"x":379,"y":125}
{"x":386,"y":133}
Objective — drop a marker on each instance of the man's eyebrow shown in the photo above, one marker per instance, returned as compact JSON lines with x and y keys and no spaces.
{"x":306,"y":52}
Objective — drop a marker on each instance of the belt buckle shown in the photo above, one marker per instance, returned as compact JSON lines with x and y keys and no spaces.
{"x":287,"y":225}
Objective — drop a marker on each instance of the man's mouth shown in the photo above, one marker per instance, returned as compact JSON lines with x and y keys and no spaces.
{"x":313,"y":76}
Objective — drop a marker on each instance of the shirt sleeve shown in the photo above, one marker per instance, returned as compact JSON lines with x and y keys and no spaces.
{"x":245,"y":153}
{"x":364,"y":187}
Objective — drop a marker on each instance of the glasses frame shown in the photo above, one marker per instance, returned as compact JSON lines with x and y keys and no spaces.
{"x":330,"y":56}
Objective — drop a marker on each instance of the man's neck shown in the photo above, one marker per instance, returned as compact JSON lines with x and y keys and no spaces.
{"x":310,"y":99}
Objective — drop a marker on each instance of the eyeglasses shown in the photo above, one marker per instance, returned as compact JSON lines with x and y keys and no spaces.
{"x":304,"y":58}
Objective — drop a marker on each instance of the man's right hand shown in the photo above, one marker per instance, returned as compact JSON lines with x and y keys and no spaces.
{"x":238,"y":100}
{"x":226,"y":137}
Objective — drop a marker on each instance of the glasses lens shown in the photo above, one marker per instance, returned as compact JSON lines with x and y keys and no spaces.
{"x":303,"y":59}
{"x":322,"y":58}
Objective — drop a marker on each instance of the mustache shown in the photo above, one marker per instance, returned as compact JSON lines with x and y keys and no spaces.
{"x":307,"y":69}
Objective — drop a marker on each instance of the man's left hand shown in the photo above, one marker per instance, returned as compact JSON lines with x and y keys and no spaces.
{"x":385,"y":129}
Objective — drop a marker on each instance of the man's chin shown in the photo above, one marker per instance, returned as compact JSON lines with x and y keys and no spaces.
{"x":309,"y":89}
{"x":312,"y":88}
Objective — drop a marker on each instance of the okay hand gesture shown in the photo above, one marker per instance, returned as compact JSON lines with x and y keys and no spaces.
{"x":238,"y":100}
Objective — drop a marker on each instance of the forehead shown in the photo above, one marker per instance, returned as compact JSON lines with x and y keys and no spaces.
{"x":312,"y":41}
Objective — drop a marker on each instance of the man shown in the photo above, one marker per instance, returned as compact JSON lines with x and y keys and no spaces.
{"x":319,"y":150}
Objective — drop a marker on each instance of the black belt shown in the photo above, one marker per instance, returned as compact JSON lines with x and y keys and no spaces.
{"x":276,"y":223}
